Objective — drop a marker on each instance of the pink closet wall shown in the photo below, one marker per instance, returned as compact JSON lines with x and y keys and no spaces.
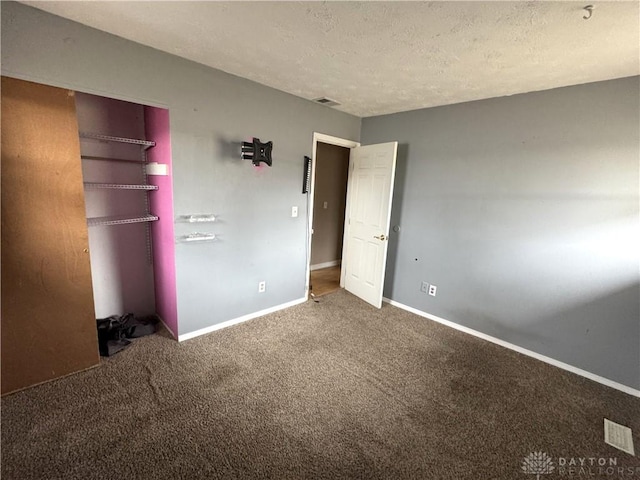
{"x":161,"y":204}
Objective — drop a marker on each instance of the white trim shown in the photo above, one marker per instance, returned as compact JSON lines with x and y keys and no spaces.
{"x":340,"y":142}
{"x":347,"y":221}
{"x":524,"y":351}
{"x":235,"y":321}
{"x":320,"y":266}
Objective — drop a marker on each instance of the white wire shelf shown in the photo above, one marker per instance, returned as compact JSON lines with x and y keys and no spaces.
{"x":120,"y":186}
{"x":107,"y":138}
{"x":107,"y":159}
{"x":120,"y":220}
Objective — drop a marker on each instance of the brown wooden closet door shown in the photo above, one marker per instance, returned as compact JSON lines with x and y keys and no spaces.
{"x":48,"y":325}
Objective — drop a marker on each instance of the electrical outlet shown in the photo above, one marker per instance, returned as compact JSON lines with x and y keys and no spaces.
{"x":325,"y":205}
{"x":424,"y":287}
{"x":432,"y":290}
{"x":262,"y":286}
{"x":294,"y":212}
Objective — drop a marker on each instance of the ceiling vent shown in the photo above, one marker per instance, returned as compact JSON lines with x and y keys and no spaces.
{"x":326,"y":101}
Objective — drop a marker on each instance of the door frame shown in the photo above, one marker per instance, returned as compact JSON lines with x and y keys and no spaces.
{"x":340,"y":142}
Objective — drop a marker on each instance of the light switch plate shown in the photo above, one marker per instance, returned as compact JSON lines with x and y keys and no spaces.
{"x":294,"y":212}
{"x":155,"y":168}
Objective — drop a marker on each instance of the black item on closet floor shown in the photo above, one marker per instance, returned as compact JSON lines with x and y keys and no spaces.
{"x":115,"y":331}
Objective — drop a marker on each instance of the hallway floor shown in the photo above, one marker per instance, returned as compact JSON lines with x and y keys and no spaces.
{"x":325,"y":280}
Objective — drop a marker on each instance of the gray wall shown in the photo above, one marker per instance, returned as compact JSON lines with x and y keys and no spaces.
{"x":210,"y":113}
{"x":523,"y":211}
{"x":332,"y":170}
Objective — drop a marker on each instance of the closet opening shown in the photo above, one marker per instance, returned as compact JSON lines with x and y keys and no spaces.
{"x":126,"y":167}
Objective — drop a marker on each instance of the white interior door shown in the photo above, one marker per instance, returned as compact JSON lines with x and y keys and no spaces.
{"x":368,"y":216}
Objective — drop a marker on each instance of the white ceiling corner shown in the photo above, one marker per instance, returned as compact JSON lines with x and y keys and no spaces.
{"x":383,"y":57}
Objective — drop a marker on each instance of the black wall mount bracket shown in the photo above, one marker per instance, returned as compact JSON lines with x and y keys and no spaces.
{"x":257,"y":152}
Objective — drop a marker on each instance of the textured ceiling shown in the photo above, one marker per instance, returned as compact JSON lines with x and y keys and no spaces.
{"x":384,"y":57}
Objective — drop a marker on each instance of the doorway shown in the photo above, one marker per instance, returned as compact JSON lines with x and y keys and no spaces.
{"x":327,"y":213}
{"x":330,"y":196}
{"x":369,"y":194}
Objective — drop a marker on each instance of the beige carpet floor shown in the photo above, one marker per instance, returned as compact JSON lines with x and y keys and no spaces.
{"x":329,"y":390}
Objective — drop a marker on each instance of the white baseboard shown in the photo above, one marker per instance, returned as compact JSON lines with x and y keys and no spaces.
{"x":319,"y":266}
{"x":524,"y":351}
{"x":235,"y":321}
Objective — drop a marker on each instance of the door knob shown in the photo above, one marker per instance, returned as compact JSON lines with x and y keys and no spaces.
{"x":381,"y":237}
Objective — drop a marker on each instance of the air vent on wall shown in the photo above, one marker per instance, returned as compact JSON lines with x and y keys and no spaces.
{"x":326,"y":101}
